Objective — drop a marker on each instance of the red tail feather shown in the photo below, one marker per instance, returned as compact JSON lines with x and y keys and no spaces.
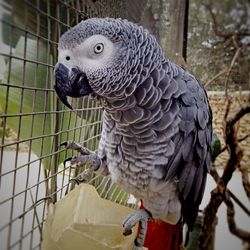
{"x":163,"y":236}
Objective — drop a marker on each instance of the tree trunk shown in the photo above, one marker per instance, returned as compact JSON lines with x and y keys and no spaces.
{"x":170,"y":17}
{"x":166,"y":19}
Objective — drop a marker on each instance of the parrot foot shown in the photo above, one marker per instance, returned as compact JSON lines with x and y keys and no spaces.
{"x":87,"y":156}
{"x":75,"y":146}
{"x":78,"y":161}
{"x":142,"y":216}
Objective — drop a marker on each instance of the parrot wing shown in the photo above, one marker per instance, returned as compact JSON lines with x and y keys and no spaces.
{"x":191,"y":160}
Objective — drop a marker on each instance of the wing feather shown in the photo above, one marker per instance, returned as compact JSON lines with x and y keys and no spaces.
{"x":191,"y":160}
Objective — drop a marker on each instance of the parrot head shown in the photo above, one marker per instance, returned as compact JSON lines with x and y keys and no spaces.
{"x":93,"y":57}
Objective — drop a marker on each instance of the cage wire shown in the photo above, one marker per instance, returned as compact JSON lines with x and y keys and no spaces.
{"x":32,"y":120}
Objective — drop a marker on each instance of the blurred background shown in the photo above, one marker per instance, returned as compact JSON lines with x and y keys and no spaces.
{"x":211,"y":39}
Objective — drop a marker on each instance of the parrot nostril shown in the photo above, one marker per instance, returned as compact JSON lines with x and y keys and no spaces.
{"x":67,"y":58}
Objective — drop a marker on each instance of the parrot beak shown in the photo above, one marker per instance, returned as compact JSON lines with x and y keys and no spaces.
{"x":72,"y":83}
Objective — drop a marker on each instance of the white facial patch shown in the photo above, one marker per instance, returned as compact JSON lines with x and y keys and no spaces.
{"x":96,"y":52}
{"x":66,"y":58}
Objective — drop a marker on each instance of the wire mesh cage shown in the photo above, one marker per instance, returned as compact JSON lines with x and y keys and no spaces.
{"x":33,"y":122}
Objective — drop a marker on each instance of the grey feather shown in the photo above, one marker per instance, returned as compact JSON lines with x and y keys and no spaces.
{"x":171,"y":90}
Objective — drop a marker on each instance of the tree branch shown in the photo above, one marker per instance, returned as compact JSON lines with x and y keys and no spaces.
{"x":210,"y":216}
{"x":216,"y":177}
{"x":241,"y":205}
{"x":242,"y":234}
{"x":243,"y":111}
{"x":216,"y":27}
{"x":244,"y":137}
{"x":222,"y":72}
{"x":232,"y":143}
{"x":245,"y":180}
{"x":239,"y":140}
{"x":230,"y":69}
{"x":218,"y":194}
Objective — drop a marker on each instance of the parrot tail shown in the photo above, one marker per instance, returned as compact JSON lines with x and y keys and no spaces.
{"x":164,"y":236}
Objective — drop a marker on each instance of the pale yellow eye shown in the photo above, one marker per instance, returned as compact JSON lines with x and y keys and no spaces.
{"x":99,"y":48}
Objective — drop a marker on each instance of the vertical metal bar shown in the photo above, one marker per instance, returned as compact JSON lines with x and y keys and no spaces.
{"x":17,"y":145}
{"x":4,"y":129}
{"x":20,"y":121}
{"x":185,"y":32}
{"x":36,"y":218}
{"x":6,"y":101}
{"x":54,"y":160}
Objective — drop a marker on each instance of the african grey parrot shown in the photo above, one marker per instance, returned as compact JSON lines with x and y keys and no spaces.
{"x":156,"y":128}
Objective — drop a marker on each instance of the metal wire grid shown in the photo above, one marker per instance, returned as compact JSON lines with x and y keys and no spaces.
{"x":28,"y":104}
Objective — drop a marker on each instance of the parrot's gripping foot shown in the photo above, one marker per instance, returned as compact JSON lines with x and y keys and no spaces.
{"x":87,"y":156}
{"x":142,"y":216}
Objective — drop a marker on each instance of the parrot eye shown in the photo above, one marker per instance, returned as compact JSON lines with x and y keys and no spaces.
{"x":67,"y":58}
{"x":99,"y":48}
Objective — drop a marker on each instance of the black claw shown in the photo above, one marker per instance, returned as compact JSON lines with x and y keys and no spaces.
{"x":136,"y":243}
{"x":75,"y":180}
{"x":127,"y":232}
{"x":65,"y":144}
{"x":66,"y":160}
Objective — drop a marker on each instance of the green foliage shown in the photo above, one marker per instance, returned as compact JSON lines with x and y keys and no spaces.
{"x":216,"y":147}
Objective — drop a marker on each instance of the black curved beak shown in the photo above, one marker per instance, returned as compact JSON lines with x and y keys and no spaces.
{"x":73,"y":84}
